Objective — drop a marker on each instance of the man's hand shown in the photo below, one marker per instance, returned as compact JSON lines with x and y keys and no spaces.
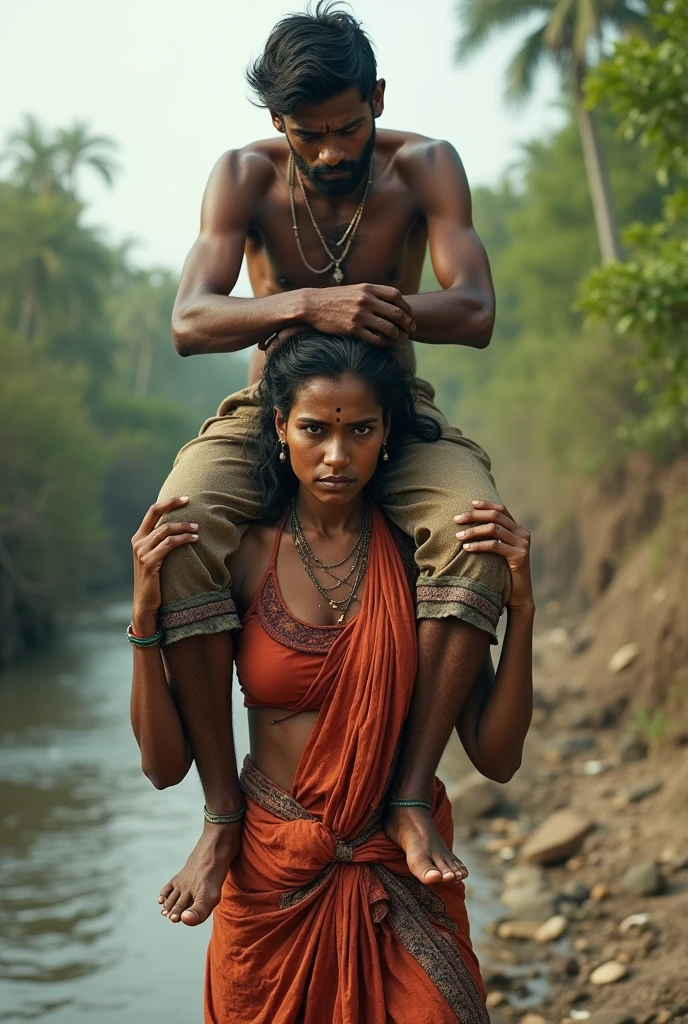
{"x":372,"y":312}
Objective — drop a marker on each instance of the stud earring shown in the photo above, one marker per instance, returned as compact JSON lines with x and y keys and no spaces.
{"x":385,"y":453}
{"x":283,"y":452}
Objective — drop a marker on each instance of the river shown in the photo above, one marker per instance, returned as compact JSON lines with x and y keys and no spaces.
{"x":87,"y":844}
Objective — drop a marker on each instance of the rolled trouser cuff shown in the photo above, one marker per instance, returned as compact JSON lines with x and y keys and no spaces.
{"x":206,"y":613}
{"x":441,"y":597}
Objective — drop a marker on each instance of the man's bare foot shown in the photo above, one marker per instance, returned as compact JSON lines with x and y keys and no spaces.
{"x":427,"y":856}
{"x":193,"y":894}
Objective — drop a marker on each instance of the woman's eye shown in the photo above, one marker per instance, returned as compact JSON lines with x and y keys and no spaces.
{"x":361,"y":431}
{"x":312,"y":428}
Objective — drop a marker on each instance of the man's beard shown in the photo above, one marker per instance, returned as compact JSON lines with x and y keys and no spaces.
{"x":356,"y":171}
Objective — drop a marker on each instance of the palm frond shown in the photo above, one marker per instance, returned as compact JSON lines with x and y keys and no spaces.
{"x":521,"y":72}
{"x":560,"y":21}
{"x":479,"y":19}
{"x":587,"y":27}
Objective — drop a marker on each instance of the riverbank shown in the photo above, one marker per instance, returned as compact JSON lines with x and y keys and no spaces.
{"x":590,"y":845}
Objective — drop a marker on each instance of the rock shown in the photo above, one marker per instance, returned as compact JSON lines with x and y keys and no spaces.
{"x":517,"y":929}
{"x":612,"y":1017}
{"x":624,"y":657}
{"x":533,"y":1018}
{"x":576,"y":1014}
{"x":608,"y":973}
{"x":473,"y":797}
{"x":494,"y":999}
{"x":594,"y":767}
{"x":632,"y":747}
{"x":568,"y":744}
{"x":642,"y":879}
{"x":532,"y":877}
{"x":537,"y":904}
{"x":635,"y":794}
{"x":634,"y":921}
{"x":556,"y":839}
{"x":575,"y":891}
{"x":600,"y":892}
{"x":552,"y":929}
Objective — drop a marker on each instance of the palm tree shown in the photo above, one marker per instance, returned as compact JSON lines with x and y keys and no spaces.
{"x":78,"y":148}
{"x":35,"y":157}
{"x":567,"y":32}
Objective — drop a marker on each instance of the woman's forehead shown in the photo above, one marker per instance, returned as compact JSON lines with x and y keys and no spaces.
{"x":348,"y":396}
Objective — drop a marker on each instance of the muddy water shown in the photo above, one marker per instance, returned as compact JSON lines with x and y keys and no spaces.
{"x":86,"y":843}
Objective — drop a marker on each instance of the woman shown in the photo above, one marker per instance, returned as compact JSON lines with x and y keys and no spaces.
{"x":320,"y":919}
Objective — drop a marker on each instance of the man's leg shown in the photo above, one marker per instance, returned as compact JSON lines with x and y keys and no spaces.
{"x":197,"y":618}
{"x":460,"y":597}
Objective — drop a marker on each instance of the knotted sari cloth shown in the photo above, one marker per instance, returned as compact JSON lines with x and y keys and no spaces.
{"x":320,"y":920}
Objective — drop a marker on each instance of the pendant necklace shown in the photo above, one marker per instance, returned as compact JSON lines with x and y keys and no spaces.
{"x":346,"y":239}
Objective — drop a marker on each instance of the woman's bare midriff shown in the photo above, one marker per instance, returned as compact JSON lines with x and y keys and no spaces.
{"x":275,"y":750}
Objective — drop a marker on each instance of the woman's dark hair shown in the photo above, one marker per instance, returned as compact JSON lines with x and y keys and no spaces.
{"x":312,"y":354}
{"x":311,"y":57}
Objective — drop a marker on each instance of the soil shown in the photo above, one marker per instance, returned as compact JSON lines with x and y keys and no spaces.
{"x":631,"y":568}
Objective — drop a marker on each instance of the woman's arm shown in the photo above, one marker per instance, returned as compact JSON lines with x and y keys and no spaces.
{"x":496,"y":717}
{"x":165,"y":751}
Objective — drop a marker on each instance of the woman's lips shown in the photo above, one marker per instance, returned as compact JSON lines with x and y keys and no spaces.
{"x":335,"y":481}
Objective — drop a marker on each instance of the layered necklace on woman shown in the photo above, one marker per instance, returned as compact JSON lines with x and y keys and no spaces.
{"x":350,"y":580}
{"x":344,"y":243}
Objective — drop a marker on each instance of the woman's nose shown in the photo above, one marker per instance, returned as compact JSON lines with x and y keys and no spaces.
{"x":337,"y":455}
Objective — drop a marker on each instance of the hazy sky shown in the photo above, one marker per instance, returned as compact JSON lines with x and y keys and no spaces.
{"x":165,"y":79}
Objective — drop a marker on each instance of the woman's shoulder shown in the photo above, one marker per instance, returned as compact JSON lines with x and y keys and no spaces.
{"x":250,"y":561}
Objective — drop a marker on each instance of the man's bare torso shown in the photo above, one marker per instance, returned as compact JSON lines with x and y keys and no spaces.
{"x":390,"y":243}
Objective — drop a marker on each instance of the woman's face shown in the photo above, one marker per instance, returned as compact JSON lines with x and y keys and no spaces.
{"x":333,"y":434}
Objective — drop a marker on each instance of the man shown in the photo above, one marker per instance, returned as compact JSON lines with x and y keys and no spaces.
{"x":334,"y":220}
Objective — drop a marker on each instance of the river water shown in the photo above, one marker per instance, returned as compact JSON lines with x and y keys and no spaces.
{"x":86,"y":844}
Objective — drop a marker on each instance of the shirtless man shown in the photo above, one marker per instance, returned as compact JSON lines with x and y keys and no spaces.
{"x":328,"y":192}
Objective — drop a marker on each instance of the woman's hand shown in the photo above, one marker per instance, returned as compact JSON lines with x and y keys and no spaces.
{"x":150,"y":544}
{"x":494,"y":529}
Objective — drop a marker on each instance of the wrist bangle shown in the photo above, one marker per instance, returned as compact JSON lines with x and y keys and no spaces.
{"x":397,"y":802}
{"x":223,"y":819}
{"x":143,"y":641}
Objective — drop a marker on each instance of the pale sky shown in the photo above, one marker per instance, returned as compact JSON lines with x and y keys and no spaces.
{"x":165,"y":79}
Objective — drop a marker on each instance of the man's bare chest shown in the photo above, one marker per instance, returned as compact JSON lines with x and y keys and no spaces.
{"x":387,"y":247}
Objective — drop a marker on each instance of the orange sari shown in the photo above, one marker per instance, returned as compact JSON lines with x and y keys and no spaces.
{"x":320,"y":919}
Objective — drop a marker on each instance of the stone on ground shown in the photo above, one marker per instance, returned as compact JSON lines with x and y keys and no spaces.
{"x":556,"y":839}
{"x":473,"y":797}
{"x":624,"y":657}
{"x":552,"y":929}
{"x":642,"y":879}
{"x":534,"y":904}
{"x":608,"y":973}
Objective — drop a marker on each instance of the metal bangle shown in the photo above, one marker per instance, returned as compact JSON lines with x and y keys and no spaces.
{"x":397,"y":802}
{"x":223,"y":819}
{"x":143,"y":641}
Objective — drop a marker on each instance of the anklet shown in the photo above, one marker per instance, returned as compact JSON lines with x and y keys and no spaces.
{"x":223,"y":819}
{"x":396,"y":802}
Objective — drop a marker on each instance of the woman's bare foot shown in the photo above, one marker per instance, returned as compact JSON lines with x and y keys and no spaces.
{"x":193,"y":894}
{"x":427,"y":856}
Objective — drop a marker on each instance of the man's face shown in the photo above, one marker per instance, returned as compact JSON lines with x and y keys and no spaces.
{"x":333,"y":141}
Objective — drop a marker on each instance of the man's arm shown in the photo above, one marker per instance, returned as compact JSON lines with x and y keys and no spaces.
{"x":463,"y":312}
{"x":206,"y":318}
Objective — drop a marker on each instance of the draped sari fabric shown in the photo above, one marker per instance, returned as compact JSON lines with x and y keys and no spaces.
{"x":320,"y":920}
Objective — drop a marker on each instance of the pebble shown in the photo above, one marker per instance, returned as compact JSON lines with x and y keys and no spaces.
{"x":600,"y":892}
{"x":624,"y":657}
{"x":632,"y":747}
{"x":556,"y":839}
{"x":634,"y":921}
{"x":637,"y":793}
{"x":532,"y":903}
{"x":473,"y":797}
{"x":575,"y":891}
{"x":576,"y":1014}
{"x":533,"y":1018}
{"x":567,"y":745}
{"x":518,"y":929}
{"x":642,"y":879}
{"x":552,"y":929}
{"x":612,"y":1017}
{"x":608,"y":973}
{"x":525,"y":875}
{"x":495,"y":999}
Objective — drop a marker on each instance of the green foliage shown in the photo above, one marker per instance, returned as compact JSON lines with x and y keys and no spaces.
{"x":646,"y":296}
{"x":652,"y":727}
{"x":94,"y":401}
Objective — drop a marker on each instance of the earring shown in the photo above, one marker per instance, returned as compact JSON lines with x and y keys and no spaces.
{"x":283,"y":453}
{"x":385,"y":453}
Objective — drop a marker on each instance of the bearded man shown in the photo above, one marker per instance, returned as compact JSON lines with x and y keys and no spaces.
{"x":334,"y":219}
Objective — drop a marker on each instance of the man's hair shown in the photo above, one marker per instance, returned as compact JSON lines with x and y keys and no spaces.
{"x":311,"y":57}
